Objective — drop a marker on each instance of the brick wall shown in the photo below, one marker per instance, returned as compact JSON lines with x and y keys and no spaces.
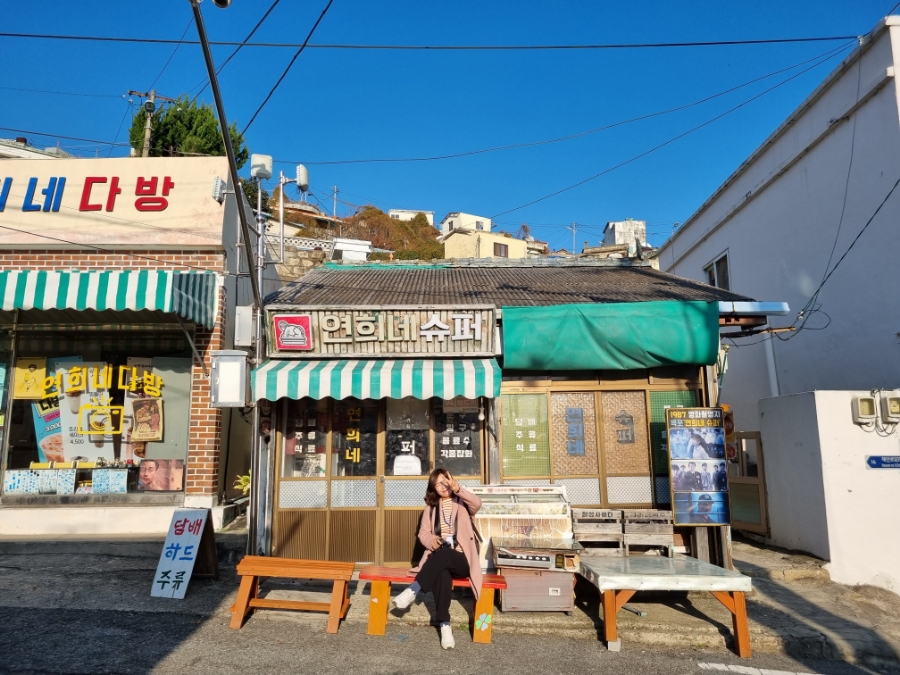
{"x":204,"y":446}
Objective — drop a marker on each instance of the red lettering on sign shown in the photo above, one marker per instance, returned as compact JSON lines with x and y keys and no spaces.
{"x":86,"y":194}
{"x":114,"y":190}
{"x":146,"y":190}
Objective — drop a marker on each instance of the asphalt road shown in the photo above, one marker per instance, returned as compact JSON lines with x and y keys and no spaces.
{"x":44,"y":641}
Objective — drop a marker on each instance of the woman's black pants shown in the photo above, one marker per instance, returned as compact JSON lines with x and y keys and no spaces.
{"x":437,"y":575}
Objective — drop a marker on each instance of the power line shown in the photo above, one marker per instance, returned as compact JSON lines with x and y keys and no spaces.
{"x":119,"y":252}
{"x":576,"y":135}
{"x":293,"y":45}
{"x":172,"y":55}
{"x":61,"y":93}
{"x":668,"y":142}
{"x":289,"y":65}
{"x":259,"y":23}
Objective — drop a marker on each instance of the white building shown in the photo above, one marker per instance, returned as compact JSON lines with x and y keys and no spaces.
{"x":464,"y":221}
{"x":409,"y":214}
{"x":19,"y":148}
{"x":625,"y":232}
{"x":785,"y":219}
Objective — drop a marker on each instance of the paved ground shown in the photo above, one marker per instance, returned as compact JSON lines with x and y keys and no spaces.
{"x":76,"y":607}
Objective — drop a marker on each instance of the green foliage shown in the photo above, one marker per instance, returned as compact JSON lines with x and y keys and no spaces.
{"x":250,"y":189}
{"x":243,"y":483}
{"x":185,"y":128}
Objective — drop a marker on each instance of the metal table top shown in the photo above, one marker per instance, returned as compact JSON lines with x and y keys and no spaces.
{"x":656,"y":573}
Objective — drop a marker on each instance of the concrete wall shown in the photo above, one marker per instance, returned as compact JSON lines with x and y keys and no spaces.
{"x":470,"y":244}
{"x":464,"y":221}
{"x":409,"y":214}
{"x":777,"y":217}
{"x":822,"y":497}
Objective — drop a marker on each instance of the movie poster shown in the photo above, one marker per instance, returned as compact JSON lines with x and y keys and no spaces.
{"x":697,"y":465}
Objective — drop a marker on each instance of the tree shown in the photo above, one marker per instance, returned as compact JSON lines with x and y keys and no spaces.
{"x":250,"y":189}
{"x":186,"y":128}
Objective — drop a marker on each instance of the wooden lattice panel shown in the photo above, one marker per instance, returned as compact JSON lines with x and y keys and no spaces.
{"x":622,"y":456}
{"x":561,"y":441}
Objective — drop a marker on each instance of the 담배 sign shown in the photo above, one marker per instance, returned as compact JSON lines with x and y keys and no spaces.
{"x":189,"y":549}
{"x":696,"y":438}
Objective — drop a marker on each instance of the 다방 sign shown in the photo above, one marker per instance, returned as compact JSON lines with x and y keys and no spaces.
{"x":395,"y":331}
{"x":111,"y":201}
{"x":699,"y":475}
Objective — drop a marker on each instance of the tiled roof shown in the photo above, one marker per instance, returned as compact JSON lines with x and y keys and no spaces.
{"x":500,"y":286}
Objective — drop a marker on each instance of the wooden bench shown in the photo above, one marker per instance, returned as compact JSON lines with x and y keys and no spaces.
{"x":252,"y":567}
{"x":380,"y":598}
{"x":649,"y":527}
{"x":599,"y":526}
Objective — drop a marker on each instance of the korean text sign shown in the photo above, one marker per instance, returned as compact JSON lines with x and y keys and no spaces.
{"x":698,"y":468}
{"x":179,"y":553}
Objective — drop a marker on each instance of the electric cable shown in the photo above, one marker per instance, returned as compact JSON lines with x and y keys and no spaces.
{"x":205,"y":82}
{"x":284,"y":74}
{"x":579,"y":134}
{"x":61,"y":93}
{"x":172,"y":55}
{"x":665,"y":143}
{"x":294,"y":45}
{"x":112,"y":145}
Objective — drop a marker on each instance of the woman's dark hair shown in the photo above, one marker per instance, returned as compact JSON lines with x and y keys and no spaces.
{"x":431,"y":496}
{"x":698,"y":437}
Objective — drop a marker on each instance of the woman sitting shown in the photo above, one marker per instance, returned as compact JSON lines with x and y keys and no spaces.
{"x":447,"y":531}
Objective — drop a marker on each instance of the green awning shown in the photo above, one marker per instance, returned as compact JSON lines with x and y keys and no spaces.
{"x":615,"y":336}
{"x":444,"y":378}
{"x":191,"y":295}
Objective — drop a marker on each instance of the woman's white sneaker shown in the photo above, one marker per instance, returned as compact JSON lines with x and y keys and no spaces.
{"x":404,"y":600}
{"x":447,"y":641}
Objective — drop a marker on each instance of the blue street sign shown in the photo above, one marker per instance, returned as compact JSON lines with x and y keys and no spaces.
{"x":882,"y":462}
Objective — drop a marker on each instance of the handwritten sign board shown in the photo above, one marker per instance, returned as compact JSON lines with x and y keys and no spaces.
{"x":189,"y":549}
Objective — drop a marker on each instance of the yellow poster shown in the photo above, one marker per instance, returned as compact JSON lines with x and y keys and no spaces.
{"x":29,"y":378}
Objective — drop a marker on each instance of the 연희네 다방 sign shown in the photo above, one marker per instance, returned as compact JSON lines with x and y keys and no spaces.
{"x":189,"y":549}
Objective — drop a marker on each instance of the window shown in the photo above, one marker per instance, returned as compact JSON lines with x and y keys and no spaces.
{"x":717,"y":273}
{"x":450,"y":224}
{"x":394,"y":215}
{"x":479,"y":224}
{"x":501,"y":250}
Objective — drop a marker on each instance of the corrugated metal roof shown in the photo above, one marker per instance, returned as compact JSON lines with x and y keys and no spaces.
{"x":498,"y":286}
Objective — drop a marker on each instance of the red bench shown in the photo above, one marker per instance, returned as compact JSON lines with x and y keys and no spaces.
{"x":380,"y":598}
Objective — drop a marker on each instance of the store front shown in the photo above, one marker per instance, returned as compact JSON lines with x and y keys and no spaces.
{"x":105,"y":344}
{"x":511,"y":394}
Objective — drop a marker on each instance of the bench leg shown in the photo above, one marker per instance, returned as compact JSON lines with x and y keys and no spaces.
{"x":247,"y":591}
{"x":484,"y":617}
{"x":741,"y":625}
{"x":609,"y":616}
{"x":338,"y":593}
{"x":379,"y":600}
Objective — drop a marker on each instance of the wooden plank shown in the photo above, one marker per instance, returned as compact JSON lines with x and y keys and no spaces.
{"x":278,"y":603}
{"x":725,"y":598}
{"x":622,"y":597}
{"x":609,"y":616}
{"x":648,"y":528}
{"x":483,"y":617}
{"x":599,"y":536}
{"x":242,"y":604}
{"x":647,"y":514}
{"x":649,"y":539}
{"x":334,"y":611}
{"x":599,"y":514}
{"x":581,"y":527}
{"x":379,"y":602}
{"x":741,"y":625}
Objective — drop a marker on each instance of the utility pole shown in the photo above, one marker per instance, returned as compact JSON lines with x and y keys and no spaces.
{"x":334,"y":204}
{"x":573,"y":228}
{"x":150,"y":109}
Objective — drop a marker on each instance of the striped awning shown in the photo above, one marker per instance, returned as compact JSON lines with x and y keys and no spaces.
{"x":191,"y":295}
{"x":374,"y":378}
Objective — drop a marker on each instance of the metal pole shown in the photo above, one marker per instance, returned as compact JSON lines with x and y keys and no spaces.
{"x":229,"y":149}
{"x":261,"y":486}
{"x":254,"y":280}
{"x":148,"y":125}
{"x":281,"y":183}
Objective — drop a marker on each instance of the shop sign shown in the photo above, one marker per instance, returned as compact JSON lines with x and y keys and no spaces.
{"x":395,"y":331}
{"x":882,"y":462}
{"x":699,"y":476}
{"x":189,"y":536}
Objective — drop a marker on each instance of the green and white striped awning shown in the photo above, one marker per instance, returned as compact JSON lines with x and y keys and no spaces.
{"x":374,"y":378}
{"x":190,"y":295}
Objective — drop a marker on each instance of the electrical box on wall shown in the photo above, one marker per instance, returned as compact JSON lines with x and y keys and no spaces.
{"x":243,"y":326}
{"x":864,"y":409}
{"x":890,"y":409}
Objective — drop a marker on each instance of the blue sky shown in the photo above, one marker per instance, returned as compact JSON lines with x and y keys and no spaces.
{"x":352,"y":104}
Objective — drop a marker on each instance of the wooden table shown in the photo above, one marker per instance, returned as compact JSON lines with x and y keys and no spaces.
{"x":618,"y":579}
